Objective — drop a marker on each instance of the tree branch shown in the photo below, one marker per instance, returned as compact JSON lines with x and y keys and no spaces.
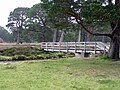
{"x":80,"y":21}
{"x":114,"y":29}
{"x":92,"y":33}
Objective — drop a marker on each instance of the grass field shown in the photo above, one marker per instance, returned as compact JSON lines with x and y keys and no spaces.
{"x":66,"y":74}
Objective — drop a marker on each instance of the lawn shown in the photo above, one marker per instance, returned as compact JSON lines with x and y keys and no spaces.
{"x":64,"y":74}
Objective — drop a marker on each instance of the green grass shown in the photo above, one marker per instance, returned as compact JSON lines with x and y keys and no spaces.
{"x":66,"y":74}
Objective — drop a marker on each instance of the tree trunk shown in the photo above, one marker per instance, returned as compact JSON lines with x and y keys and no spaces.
{"x":115,"y":40}
{"x":114,"y":50}
{"x":89,"y":36}
{"x":54,"y":36}
{"x":79,"y":36}
{"x":103,"y":39}
{"x":115,"y":44}
{"x":18,"y":37}
{"x":62,"y":37}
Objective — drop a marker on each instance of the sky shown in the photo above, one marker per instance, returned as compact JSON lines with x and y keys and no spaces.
{"x":6,"y":6}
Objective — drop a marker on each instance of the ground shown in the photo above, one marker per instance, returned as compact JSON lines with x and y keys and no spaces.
{"x":64,"y":74}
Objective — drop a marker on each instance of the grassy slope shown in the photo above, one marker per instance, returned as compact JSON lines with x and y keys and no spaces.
{"x":72,"y":74}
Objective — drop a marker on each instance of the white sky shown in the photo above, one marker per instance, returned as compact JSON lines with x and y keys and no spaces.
{"x":6,"y":6}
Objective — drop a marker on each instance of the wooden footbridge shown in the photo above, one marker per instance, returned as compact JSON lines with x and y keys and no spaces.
{"x":76,"y":47}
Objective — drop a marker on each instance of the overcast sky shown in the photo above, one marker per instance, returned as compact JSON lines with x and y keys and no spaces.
{"x":6,"y":6}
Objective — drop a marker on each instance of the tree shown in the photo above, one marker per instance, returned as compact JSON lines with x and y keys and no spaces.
{"x":16,"y":21}
{"x":5,"y":35}
{"x":88,"y":13}
{"x":38,"y":22}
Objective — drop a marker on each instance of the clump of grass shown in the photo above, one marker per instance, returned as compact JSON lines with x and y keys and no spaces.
{"x":8,"y":66}
{"x":105,"y":81}
{"x":104,"y":58}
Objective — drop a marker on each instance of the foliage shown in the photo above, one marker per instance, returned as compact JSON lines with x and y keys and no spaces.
{"x":39,"y":23}
{"x":21,"y":51}
{"x":16,"y":21}
{"x":5,"y":58}
{"x":106,"y":13}
{"x":70,"y":36}
{"x":19,"y":57}
{"x":90,"y":11}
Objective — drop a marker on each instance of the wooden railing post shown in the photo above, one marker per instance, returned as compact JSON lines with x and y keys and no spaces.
{"x":104,"y":50}
{"x":84,"y":47}
{"x":75,"y":47}
{"x":95,"y":47}
{"x":59,"y":46}
{"x":67,"y":46}
{"x":46,"y":46}
{"x":53,"y":46}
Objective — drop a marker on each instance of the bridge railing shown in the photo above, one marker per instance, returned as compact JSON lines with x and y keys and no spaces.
{"x":75,"y":46}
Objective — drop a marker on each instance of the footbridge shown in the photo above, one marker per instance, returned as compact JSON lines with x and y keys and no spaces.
{"x":76,"y":47}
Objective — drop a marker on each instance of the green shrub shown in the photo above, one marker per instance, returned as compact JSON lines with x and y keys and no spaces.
{"x":19,"y":57}
{"x":46,"y":56}
{"x":8,"y":52}
{"x":70,"y":55}
{"x":104,"y":58}
{"x":59,"y":55}
{"x":32,"y":57}
{"x":53,"y":55}
{"x":26,"y":53}
{"x":22,"y":51}
{"x":39,"y":56}
{"x":5,"y":58}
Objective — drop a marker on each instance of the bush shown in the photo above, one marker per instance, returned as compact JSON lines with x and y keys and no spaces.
{"x":32,"y":57}
{"x":5,"y":58}
{"x":104,"y":58}
{"x":39,"y":56}
{"x":46,"y":56}
{"x":8,"y":52}
{"x":22,"y":51}
{"x":19,"y":57}
{"x":70,"y":55}
{"x":58,"y":55}
{"x":30,"y":53}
